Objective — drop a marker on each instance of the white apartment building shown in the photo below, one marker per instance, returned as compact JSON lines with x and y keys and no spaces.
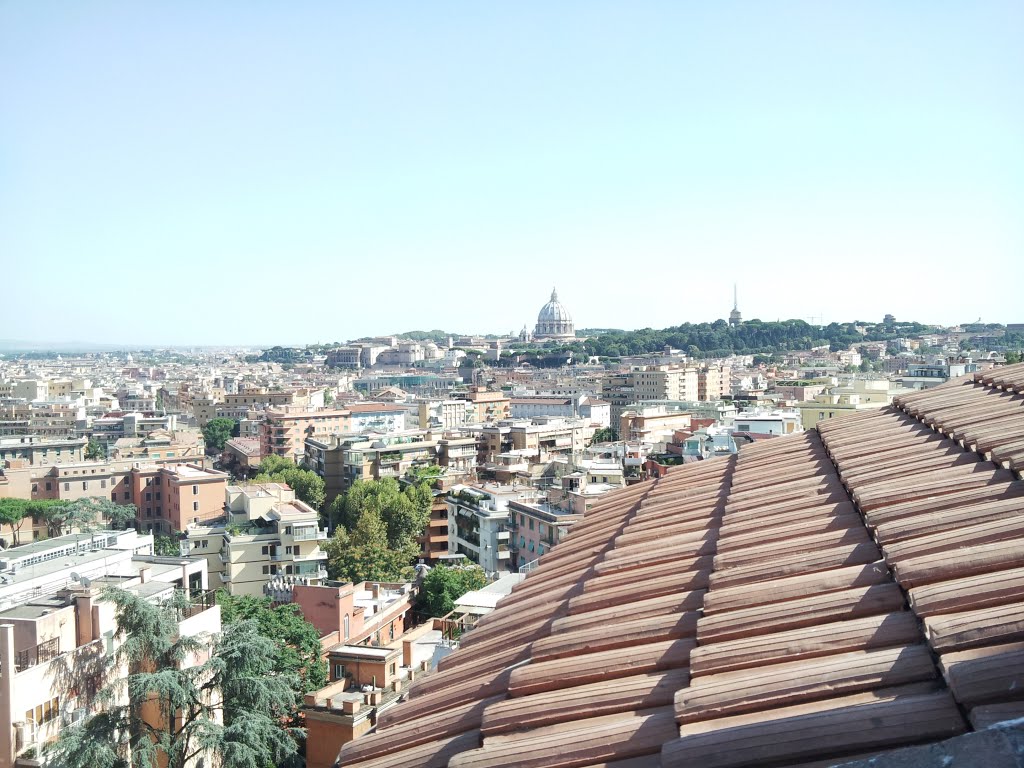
{"x":267,"y":533}
{"x":666,"y":382}
{"x":52,"y":616}
{"x":765,"y":422}
{"x":479,"y":526}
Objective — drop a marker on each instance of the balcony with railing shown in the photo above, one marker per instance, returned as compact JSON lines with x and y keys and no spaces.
{"x":316,"y":554}
{"x":310,"y":534}
{"x":39,"y":654}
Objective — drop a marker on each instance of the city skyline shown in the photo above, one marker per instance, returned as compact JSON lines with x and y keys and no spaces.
{"x":192,"y":175}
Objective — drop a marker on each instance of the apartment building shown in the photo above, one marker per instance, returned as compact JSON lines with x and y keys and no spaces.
{"x":539,"y":440}
{"x":376,"y":417}
{"x":239,"y":404}
{"x":341,"y":461}
{"x":115,"y":426}
{"x":714,"y":382}
{"x":53,"y":624}
{"x":652,"y":424}
{"x":171,"y":498}
{"x":284,"y":432}
{"x":762,"y":421}
{"x":860,"y":394}
{"x":242,"y":455}
{"x":266,"y":532}
{"x":666,"y":382}
{"x":64,"y":418}
{"x":168,"y":496}
{"x":536,"y":527}
{"x":479,"y":524}
{"x":446,"y":414}
{"x":598,"y":413}
{"x":617,"y":390}
{"x":181,"y":444}
{"x":434,"y":539}
{"x":531,"y":406}
{"x":365,"y":662}
{"x":489,"y":406}
{"x":37,"y":450}
{"x":458,"y":453}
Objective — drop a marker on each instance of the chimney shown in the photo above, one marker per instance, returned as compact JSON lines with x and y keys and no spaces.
{"x":86,"y":632}
{"x":145,"y":574}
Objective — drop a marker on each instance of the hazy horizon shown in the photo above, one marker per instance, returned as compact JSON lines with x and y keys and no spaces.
{"x":171,"y":174}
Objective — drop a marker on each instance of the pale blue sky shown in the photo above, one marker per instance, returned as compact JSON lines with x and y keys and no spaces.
{"x":269,"y":172}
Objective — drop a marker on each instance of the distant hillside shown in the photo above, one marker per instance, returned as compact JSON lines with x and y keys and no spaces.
{"x":719,"y":339}
{"x":437,"y":336}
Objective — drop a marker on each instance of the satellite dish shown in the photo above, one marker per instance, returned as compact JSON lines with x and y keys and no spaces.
{"x":75,"y":576}
{"x":86,"y":582}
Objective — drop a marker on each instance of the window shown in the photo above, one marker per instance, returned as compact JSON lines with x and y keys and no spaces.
{"x":127,"y":495}
{"x":346,"y":626}
{"x":531,"y":523}
{"x":195,"y":506}
{"x":85,"y":485}
{"x":149,"y":497}
{"x":103,"y":483}
{"x":48,"y":486}
{"x":394,"y":665}
{"x":158,"y":495}
{"x":266,"y":550}
{"x":195,"y":490}
{"x":339,"y":669}
{"x":266,"y":569}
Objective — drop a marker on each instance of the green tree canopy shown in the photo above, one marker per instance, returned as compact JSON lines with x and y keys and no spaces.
{"x":14,"y":513}
{"x":166,"y":546}
{"x":606,"y":435}
{"x":308,"y":485}
{"x":63,"y":517}
{"x":404,"y":511}
{"x":751,"y":337}
{"x":95,"y":450}
{"x":103,"y":511}
{"x":364,"y":554}
{"x":238,"y":681}
{"x":297,"y":641}
{"x":445,"y":584}
{"x":219,"y":431}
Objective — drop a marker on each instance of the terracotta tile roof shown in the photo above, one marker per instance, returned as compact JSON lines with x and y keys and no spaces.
{"x":812,"y":598}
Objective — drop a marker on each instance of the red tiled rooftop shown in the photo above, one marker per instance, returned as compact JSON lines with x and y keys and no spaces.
{"x":813,"y":598}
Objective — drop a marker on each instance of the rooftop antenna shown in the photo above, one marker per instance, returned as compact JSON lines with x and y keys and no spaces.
{"x":735,"y":298}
